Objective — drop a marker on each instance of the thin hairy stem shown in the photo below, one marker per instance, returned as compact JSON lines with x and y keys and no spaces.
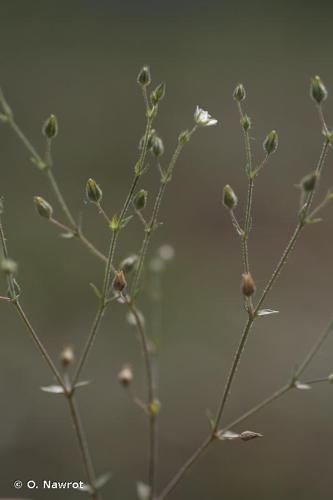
{"x":146,"y":350}
{"x":84,"y":448}
{"x":166,"y":178}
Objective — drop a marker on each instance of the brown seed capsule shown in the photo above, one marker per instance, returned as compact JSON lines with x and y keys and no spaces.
{"x":119,"y":282}
{"x":67,"y":356}
{"x":125,"y":376}
{"x":248,"y":287}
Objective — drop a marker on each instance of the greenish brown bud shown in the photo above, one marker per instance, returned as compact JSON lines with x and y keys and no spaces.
{"x":125,"y":376}
{"x":43,"y":207}
{"x":271,"y":142}
{"x":119,"y":282}
{"x":246,"y":122}
{"x":158,"y":94}
{"x":318,"y":90}
{"x":230,"y":199}
{"x":239,"y":93}
{"x":93,"y":191}
{"x":330,"y":378}
{"x":309,"y":182}
{"x":8,"y":266}
{"x":247,"y":285}
{"x":140,"y":199}
{"x":143,"y":78}
{"x":67,"y":356}
{"x":50,"y":128}
{"x":129,"y":263}
{"x":157,"y":146}
{"x":184,"y":137}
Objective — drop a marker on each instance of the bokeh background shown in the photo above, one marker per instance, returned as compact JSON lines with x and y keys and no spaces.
{"x":79,"y":60}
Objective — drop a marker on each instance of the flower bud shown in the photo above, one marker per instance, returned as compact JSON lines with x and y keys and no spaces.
{"x":156,"y":146}
{"x":154,"y":407}
{"x":246,"y":122}
{"x":271,"y":142}
{"x":230,"y":200}
{"x":129,"y":263}
{"x":119,"y":282}
{"x":318,"y":90}
{"x":248,"y":287}
{"x":140,"y":199}
{"x":66,"y":356}
{"x":158,"y":94}
{"x":183,"y":137}
{"x":143,"y":78}
{"x":8,"y":266}
{"x":239,"y":93}
{"x":93,"y":191}
{"x":50,"y":128}
{"x":330,"y":378}
{"x":309,"y":182}
{"x":125,"y":376}
{"x":43,"y":207}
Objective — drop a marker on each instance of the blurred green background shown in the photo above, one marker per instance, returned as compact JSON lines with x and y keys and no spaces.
{"x":79,"y":60}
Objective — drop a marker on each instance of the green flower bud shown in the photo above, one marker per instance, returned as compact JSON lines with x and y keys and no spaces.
{"x":318,"y":90}
{"x":246,"y":122}
{"x":184,"y":137}
{"x":50,"y":128}
{"x":239,"y":93}
{"x":271,"y":142}
{"x":140,"y":199}
{"x":230,"y":200}
{"x":309,"y":182}
{"x":93,"y":191}
{"x":43,"y":207}
{"x":157,"y":146}
{"x":330,"y":378}
{"x":8,"y":266}
{"x":158,"y":94}
{"x":143,"y":78}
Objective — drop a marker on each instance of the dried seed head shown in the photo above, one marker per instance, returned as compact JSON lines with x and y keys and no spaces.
{"x":248,"y":286}
{"x":43,"y":207}
{"x":239,"y":93}
{"x":50,"y":128}
{"x":119,"y":282}
{"x":143,"y":78}
{"x":246,"y":122}
{"x":66,"y":356}
{"x":309,"y":182}
{"x":93,"y":191}
{"x":129,"y":263}
{"x":125,"y":376}
{"x":8,"y":266}
{"x":140,"y":199}
{"x":230,"y":200}
{"x":158,"y":94}
{"x":318,"y":90}
{"x":271,"y":142}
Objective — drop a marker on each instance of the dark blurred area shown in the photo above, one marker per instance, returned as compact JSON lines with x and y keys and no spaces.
{"x":79,"y":60}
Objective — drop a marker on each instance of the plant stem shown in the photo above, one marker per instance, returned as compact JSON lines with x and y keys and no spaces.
{"x":84,"y":448}
{"x":146,"y":350}
{"x":240,"y":348}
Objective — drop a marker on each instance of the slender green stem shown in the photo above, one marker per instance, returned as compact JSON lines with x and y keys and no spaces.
{"x":317,"y":345}
{"x":83,"y":445}
{"x":146,"y":350}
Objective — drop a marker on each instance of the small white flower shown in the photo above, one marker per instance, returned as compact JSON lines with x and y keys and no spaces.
{"x":203,"y":118}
